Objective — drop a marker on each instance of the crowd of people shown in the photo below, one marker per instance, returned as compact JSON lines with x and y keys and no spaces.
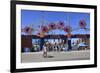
{"x":60,"y":46}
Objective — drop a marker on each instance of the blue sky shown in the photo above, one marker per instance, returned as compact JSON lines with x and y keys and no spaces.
{"x":35,"y":18}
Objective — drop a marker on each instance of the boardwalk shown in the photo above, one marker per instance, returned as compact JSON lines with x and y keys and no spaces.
{"x":56,"y":56}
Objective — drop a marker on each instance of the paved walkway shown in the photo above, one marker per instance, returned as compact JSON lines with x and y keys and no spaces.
{"x":55,"y":56}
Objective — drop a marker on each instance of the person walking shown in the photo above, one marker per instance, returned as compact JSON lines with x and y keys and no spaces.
{"x":44,"y":51}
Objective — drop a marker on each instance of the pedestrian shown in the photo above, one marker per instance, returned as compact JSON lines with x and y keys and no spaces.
{"x":44,"y":51}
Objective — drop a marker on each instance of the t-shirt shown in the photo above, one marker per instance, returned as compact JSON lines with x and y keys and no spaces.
{"x":44,"y":49}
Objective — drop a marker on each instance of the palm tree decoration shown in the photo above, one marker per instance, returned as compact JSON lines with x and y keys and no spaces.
{"x":28,"y":29}
{"x":82,"y":24}
{"x":44,"y":29}
{"x":52,"y":26}
{"x":60,"y":25}
{"x":68,"y":29}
